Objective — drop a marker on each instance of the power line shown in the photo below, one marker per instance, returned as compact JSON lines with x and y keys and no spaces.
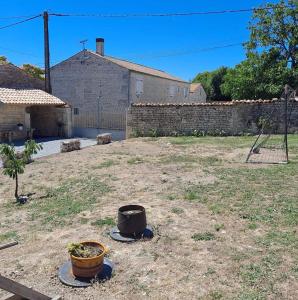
{"x":14,"y":17}
{"x":23,"y":21}
{"x":165,"y":14}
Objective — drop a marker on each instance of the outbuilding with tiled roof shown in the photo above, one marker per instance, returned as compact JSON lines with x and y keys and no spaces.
{"x":26,"y":111}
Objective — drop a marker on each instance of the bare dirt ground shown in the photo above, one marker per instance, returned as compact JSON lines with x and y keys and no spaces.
{"x":223,"y":229}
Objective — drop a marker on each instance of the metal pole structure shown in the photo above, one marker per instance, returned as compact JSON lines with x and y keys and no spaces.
{"x":287,"y":93}
{"x":48,"y":87}
{"x":98,"y":107}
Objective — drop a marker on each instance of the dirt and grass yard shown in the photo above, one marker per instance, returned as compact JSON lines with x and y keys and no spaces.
{"x":223,"y":229}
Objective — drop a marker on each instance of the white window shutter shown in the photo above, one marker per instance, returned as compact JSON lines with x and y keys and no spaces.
{"x":139,"y":86}
{"x":172,"y":90}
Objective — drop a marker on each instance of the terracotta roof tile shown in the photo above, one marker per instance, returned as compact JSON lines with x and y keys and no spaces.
{"x":139,"y":68}
{"x":28,"y":96}
{"x":227,"y":103}
{"x":194,"y":87}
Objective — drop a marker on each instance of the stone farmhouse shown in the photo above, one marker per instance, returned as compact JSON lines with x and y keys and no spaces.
{"x":27,"y":111}
{"x":101,"y":88}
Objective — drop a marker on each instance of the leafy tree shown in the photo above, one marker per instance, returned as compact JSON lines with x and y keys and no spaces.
{"x":272,"y":54}
{"x":260,"y":76}
{"x":34,"y":71}
{"x":205,"y":79}
{"x":276,"y":27}
{"x":211,"y":82}
{"x":3,"y":59}
{"x":14,"y":163}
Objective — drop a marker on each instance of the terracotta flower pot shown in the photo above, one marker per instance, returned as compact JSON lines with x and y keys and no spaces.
{"x":91,"y":266}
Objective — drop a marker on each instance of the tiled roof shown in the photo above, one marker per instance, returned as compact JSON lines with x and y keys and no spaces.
{"x":215,"y":103}
{"x":28,"y":96}
{"x":194,"y":87}
{"x":139,"y":68}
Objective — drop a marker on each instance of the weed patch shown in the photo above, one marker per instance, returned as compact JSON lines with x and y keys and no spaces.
{"x":135,"y":161}
{"x":70,"y":199}
{"x":206,"y":236}
{"x":104,"y":222}
{"x":10,"y":235}
{"x":177,"y":210}
{"x":106,"y":164}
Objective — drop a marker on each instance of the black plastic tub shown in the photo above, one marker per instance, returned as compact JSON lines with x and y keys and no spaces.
{"x":131,"y":219}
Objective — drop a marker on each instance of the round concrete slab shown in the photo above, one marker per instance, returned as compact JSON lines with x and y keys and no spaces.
{"x":66,"y":277}
{"x":117,"y":236}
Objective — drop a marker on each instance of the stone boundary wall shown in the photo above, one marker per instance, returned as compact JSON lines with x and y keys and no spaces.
{"x":226,"y":118}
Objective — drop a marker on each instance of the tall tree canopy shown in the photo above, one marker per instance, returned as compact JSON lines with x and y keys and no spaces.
{"x":34,"y":71}
{"x":211,"y":82}
{"x":260,"y":76}
{"x":272,"y":54}
{"x":272,"y":57}
{"x":276,"y":27}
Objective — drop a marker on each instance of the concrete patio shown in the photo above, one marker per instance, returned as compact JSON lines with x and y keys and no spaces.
{"x":52,"y":145}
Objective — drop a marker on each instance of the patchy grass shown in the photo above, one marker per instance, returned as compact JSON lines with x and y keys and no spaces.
{"x":243,"y":218}
{"x":106,"y":164}
{"x":206,"y":236}
{"x":210,"y":271}
{"x":177,"y":159}
{"x":135,"y":160}
{"x":171,"y":197}
{"x":196,"y":193}
{"x":9,"y":236}
{"x":108,"y":221}
{"x":222,"y":142}
{"x":177,"y":210}
{"x":219,"y":227}
{"x":61,"y":204}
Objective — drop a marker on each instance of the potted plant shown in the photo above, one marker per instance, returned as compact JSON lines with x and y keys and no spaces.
{"x":87,"y":258}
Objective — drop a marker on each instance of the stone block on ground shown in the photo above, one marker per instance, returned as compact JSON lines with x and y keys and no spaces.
{"x":104,"y":138}
{"x":69,"y":146}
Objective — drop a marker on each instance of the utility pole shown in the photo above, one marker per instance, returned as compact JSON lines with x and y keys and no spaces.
{"x":48,"y":87}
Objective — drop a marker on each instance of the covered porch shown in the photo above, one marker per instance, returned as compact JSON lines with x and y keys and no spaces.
{"x":27,"y":114}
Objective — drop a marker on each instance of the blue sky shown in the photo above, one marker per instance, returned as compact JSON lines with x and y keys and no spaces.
{"x":150,"y":41}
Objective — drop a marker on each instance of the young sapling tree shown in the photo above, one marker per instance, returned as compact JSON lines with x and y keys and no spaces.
{"x":14,"y":162}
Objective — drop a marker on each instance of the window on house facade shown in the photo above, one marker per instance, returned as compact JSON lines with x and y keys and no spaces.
{"x":139,"y":86}
{"x":75,"y":111}
{"x":172,"y":90}
{"x":185,"y":92}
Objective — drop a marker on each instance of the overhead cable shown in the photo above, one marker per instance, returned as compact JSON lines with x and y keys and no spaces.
{"x":178,"y":14}
{"x":20,"y":22}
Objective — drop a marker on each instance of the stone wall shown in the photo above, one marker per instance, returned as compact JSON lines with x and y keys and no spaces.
{"x":229,"y":118}
{"x":10,"y":116}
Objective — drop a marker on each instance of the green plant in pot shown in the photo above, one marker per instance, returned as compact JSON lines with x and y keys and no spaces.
{"x":87,"y":258}
{"x":14,"y":163}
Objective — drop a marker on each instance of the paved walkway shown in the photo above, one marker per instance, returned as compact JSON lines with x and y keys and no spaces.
{"x":52,"y":146}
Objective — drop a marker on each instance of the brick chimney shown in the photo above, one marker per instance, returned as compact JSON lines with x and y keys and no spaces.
{"x":100,"y":42}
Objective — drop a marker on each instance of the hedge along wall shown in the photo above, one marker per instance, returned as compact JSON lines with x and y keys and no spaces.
{"x":228,"y":118}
